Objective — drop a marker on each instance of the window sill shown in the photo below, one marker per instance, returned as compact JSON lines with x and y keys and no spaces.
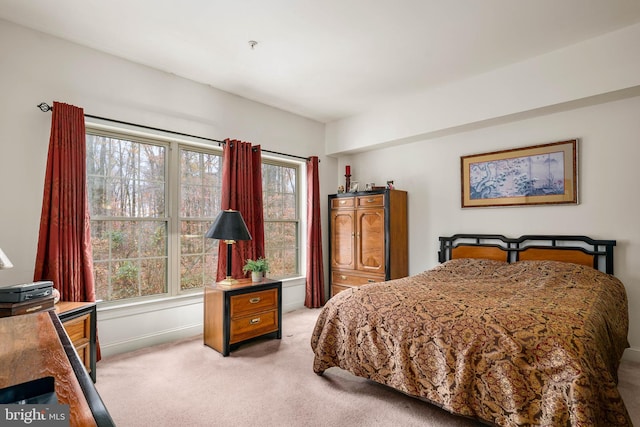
{"x":113,"y":310}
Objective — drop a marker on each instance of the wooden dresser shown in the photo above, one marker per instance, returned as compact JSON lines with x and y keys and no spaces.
{"x":368,"y":238}
{"x":79,"y":321}
{"x":36,"y":346}
{"x":234,"y":314}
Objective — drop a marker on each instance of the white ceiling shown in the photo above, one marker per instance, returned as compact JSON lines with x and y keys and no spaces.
{"x":324,"y":59}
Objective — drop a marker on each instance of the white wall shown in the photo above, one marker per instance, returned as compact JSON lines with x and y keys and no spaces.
{"x":592,"y":95}
{"x":592,"y":68}
{"x":35,"y":67}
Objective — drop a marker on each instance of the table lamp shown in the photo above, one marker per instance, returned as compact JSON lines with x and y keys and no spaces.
{"x":230,"y":227}
{"x":4,"y":261}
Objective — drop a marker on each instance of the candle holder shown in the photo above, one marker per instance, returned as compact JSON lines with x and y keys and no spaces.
{"x":347,"y":186}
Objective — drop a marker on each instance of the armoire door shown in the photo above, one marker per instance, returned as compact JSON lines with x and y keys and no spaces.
{"x":370,"y":240}
{"x":342,"y":235}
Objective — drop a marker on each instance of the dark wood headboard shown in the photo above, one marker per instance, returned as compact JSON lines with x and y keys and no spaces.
{"x":577,"y":249}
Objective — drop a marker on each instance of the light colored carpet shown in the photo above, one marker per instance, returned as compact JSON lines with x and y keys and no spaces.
{"x":265,"y":383}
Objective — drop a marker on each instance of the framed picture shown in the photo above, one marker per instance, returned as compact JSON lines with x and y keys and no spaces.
{"x":354,"y":187}
{"x":536,"y":175}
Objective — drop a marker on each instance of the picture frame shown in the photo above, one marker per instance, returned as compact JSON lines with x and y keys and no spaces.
{"x":536,"y":175}
{"x":354,"y":187}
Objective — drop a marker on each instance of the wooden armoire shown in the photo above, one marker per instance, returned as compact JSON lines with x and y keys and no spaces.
{"x":368,"y":238}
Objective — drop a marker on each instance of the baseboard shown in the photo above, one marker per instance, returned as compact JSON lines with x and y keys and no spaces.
{"x":632,"y":354}
{"x":150,"y":340}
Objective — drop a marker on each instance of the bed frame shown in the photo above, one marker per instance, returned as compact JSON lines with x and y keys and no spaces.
{"x":577,"y":249}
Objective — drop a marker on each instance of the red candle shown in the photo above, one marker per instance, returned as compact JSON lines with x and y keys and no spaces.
{"x":348,"y":170}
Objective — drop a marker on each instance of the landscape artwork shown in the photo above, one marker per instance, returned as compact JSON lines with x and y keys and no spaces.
{"x":520,"y":176}
{"x":541,"y":174}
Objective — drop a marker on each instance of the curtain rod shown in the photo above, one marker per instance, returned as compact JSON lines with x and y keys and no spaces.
{"x":44,"y":107}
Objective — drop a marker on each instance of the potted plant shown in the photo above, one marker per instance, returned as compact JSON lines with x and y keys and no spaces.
{"x":257,"y":267}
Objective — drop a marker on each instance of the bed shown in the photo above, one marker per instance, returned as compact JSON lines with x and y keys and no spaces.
{"x":509,"y":331}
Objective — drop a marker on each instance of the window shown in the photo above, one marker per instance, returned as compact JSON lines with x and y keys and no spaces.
{"x":126,"y":187}
{"x":200,"y":179}
{"x":281,"y":218}
{"x":151,"y":201}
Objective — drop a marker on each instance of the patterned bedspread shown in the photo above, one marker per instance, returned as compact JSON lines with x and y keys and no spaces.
{"x":534,"y":342}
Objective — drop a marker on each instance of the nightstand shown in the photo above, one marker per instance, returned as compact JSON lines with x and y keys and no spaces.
{"x":79,"y":321}
{"x":237,"y":313}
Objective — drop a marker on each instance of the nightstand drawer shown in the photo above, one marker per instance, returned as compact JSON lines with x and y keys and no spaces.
{"x":253,"y":302}
{"x":247,"y":327}
{"x":78,"y":329}
{"x":84,"y":353}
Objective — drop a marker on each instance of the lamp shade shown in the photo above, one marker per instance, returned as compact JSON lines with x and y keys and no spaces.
{"x":229,"y":225}
{"x":4,"y":261}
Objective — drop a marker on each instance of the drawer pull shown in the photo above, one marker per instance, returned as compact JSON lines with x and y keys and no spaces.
{"x":29,"y":310}
{"x":343,"y":277}
{"x":254,"y":321}
{"x":254,"y":300}
{"x":342,"y":202}
{"x":371,"y":200}
{"x":371,"y":281}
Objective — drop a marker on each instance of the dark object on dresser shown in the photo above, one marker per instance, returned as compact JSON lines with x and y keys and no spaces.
{"x":26,"y":291}
{"x":25,"y":307}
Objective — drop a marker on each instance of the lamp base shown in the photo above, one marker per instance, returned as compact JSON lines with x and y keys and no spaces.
{"x":228,"y":281}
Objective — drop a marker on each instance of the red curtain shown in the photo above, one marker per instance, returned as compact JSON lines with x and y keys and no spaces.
{"x":64,"y":244}
{"x":242,"y":191}
{"x":314,"y":295}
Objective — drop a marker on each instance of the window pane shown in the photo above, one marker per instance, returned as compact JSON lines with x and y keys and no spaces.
{"x":123,"y":239}
{"x":281,"y":218}
{"x":200,"y":182}
{"x":281,"y":247}
{"x":153,"y":238}
{"x":124,"y":280}
{"x":192,"y":237}
{"x":198,"y":255}
{"x":125,"y":178}
{"x":279,"y":191}
{"x":126,"y":184}
{"x":153,"y":276}
{"x":100,"y":240}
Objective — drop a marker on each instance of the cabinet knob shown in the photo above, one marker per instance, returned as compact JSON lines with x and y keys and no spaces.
{"x":254,"y":321}
{"x":254,"y":300}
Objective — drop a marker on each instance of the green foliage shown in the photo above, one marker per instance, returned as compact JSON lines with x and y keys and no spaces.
{"x":127,"y":271}
{"x":117,"y":237}
{"x":260,"y":264}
